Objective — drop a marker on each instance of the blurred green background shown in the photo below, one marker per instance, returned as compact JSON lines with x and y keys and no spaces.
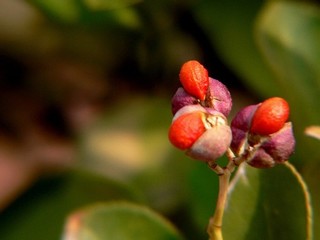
{"x":85,"y":90}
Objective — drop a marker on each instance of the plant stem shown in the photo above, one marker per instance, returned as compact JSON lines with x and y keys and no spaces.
{"x":215,"y":223}
{"x":309,"y":214}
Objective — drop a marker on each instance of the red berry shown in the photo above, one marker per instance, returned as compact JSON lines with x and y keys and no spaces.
{"x":186,"y":129}
{"x":194,"y":79}
{"x":270,"y":116}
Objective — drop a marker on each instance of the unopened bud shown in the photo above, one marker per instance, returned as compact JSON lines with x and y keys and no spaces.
{"x":240,"y":126}
{"x":275,"y":149}
{"x":219,"y":97}
{"x":205,"y":135}
{"x":194,"y":79}
{"x":181,"y":99}
{"x":270,"y":116}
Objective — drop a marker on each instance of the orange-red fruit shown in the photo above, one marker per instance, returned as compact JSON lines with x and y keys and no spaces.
{"x":186,"y":129}
{"x":194,"y":79}
{"x":270,"y":116}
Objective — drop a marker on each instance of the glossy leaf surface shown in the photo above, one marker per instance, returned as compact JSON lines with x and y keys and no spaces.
{"x":118,"y":221}
{"x":288,"y":34}
{"x":41,"y":212}
{"x":266,"y":204}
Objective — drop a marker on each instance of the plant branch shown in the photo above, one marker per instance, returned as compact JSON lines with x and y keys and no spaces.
{"x":215,"y":223}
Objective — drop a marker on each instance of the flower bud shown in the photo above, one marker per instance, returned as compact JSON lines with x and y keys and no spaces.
{"x":275,"y":149}
{"x":212,"y":144}
{"x":180,"y":99}
{"x":270,"y":116}
{"x":219,"y":97}
{"x":240,"y":126}
{"x":266,"y":147}
{"x":186,"y":129}
{"x":194,"y":79}
{"x":205,"y":135}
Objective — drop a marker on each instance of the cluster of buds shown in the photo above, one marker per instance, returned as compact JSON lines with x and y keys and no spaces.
{"x":259,"y":134}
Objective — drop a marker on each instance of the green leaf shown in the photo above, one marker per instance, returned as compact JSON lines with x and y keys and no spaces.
{"x":68,"y":11}
{"x":267,"y":204}
{"x":40,"y":213}
{"x":109,"y":14}
{"x":204,"y":187}
{"x":109,"y":4}
{"x":289,"y":35}
{"x":229,"y":24}
{"x":118,"y":221}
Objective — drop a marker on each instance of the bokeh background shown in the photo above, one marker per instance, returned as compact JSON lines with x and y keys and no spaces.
{"x":85,"y":89}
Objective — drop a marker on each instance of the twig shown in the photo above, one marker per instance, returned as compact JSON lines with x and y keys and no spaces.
{"x":215,"y":223}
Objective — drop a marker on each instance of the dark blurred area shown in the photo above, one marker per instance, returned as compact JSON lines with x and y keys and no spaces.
{"x":57,"y":76}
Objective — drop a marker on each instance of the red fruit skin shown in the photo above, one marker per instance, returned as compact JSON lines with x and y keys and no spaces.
{"x":194,"y":79}
{"x":270,"y":116}
{"x":186,"y":129}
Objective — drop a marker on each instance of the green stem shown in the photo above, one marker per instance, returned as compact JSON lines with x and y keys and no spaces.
{"x":307,"y":199}
{"x":215,"y":224}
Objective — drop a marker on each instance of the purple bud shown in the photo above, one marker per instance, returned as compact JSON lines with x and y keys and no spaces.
{"x":218,"y":97}
{"x":215,"y":141}
{"x":240,"y":125}
{"x":180,"y":99}
{"x":277,"y":148}
{"x":243,"y":118}
{"x":261,"y":160}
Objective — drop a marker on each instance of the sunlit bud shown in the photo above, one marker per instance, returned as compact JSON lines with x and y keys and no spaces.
{"x":205,"y":135}
{"x":212,"y":144}
{"x":194,"y":79}
{"x":186,"y":129}
{"x":270,"y":116}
